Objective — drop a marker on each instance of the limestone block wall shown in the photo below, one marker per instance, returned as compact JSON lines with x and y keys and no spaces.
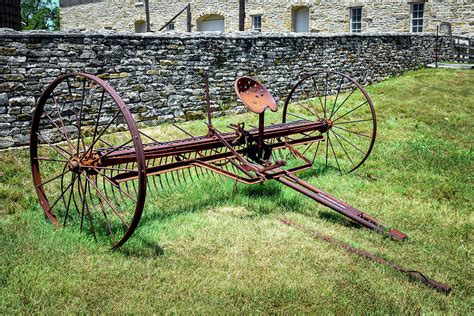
{"x":159,"y":76}
{"x":326,"y":16}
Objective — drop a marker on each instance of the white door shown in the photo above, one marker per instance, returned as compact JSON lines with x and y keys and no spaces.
{"x":212,"y":25}
{"x":301,"y":22}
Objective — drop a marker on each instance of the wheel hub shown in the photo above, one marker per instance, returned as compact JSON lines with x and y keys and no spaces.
{"x":328,"y":123}
{"x":87,"y":163}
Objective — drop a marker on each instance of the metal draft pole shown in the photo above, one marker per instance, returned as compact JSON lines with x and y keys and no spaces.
{"x":147,"y":14}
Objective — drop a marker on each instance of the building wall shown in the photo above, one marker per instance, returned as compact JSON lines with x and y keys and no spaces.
{"x":325,"y":15}
{"x":159,"y":76}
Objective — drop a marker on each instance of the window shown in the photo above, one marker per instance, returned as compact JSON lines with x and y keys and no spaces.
{"x":301,"y":19}
{"x":416,"y":24}
{"x":257,"y":23}
{"x":356,"y":20}
{"x":140,"y":26}
{"x":170,"y":27}
{"x":211,"y":23}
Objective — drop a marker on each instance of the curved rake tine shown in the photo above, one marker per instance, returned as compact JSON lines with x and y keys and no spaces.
{"x":160,"y":177}
{"x":166,"y":174}
{"x":126,"y":182}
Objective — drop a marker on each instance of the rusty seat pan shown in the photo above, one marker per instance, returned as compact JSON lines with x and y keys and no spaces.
{"x":254,"y":95}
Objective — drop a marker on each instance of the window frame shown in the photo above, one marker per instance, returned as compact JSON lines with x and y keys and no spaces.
{"x":415,"y":25}
{"x":352,"y":22}
{"x":170,"y":27}
{"x":257,"y":17}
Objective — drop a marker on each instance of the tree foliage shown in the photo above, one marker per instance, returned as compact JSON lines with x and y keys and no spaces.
{"x":39,"y":15}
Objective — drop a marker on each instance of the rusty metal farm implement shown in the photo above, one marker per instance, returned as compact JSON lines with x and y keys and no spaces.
{"x":92,"y":166}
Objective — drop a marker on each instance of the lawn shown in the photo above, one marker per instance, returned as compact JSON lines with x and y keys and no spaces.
{"x":211,"y":248}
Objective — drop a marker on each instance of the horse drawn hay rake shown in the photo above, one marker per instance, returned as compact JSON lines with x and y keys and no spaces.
{"x":92,"y":166}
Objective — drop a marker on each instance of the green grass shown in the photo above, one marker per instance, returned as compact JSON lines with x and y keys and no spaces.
{"x":211,"y":249}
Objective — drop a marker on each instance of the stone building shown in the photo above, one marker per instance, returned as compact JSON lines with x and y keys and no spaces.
{"x":325,"y":16}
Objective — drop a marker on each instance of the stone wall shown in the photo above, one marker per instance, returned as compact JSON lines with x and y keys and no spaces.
{"x":159,"y":76}
{"x":325,"y":15}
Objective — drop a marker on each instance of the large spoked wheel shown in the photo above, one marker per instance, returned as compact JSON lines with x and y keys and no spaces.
{"x":348,"y":117}
{"x":79,"y":122}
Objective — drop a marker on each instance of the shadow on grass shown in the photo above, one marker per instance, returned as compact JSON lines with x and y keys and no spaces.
{"x":260,"y":200}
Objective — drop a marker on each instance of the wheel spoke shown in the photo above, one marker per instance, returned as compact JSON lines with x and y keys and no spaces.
{"x":327,"y":150}
{"x":116,"y":185}
{"x":356,"y":121}
{"x":349,"y":131}
{"x":304,"y":107}
{"x":357,"y":107}
{"x":340,"y":105}
{"x":71,"y":147}
{"x":103,"y":131}
{"x":325,"y":95}
{"x":316,"y":152}
{"x":66,"y":135}
{"x":79,"y":126}
{"x":55,"y":147}
{"x":96,"y":124}
{"x":103,"y":209}
{"x":309,"y":103}
{"x":113,"y":150}
{"x":73,"y":179}
{"x":349,"y":142}
{"x":115,"y":169}
{"x":50,"y":159}
{"x":344,"y":149}
{"x":317,"y":92}
{"x":334,"y":154}
{"x":53,"y":178}
{"x":57,"y":200}
{"x":107,"y":201}
{"x":337,"y":95}
{"x":297,"y":116}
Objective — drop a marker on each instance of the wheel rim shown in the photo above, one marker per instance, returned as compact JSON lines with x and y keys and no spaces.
{"x":80,"y":118}
{"x":347,"y":111}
